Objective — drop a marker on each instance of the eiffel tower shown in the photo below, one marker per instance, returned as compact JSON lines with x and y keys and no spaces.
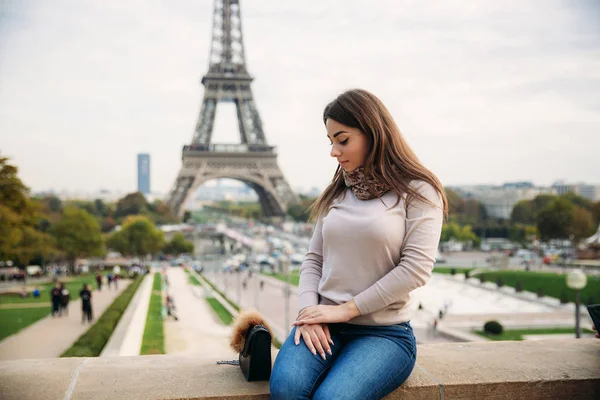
{"x":252,"y":161}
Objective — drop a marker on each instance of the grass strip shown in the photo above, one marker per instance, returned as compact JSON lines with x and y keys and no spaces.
{"x":294,"y":277}
{"x":12,"y":320}
{"x":517,"y":334}
{"x":231,"y":303}
{"x":224,"y":315}
{"x":192,"y":279}
{"x":448,"y":270}
{"x":153,"y":341}
{"x":91,"y":343}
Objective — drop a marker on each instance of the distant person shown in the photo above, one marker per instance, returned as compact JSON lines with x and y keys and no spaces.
{"x":378,"y":227}
{"x":99,"y":281}
{"x":86,"y":303}
{"x":109,"y":277}
{"x":116,"y":281}
{"x":55,"y":297}
{"x":64,"y":300}
{"x":171,"y":307}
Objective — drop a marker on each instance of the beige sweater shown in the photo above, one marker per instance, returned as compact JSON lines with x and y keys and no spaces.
{"x":373,"y":253}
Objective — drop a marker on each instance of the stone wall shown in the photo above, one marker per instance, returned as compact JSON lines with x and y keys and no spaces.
{"x":552,"y":369}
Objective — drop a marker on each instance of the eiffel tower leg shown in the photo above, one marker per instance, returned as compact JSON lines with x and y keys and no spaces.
{"x":204,"y":127}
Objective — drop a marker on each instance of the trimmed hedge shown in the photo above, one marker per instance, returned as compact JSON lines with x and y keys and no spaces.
{"x":91,"y":343}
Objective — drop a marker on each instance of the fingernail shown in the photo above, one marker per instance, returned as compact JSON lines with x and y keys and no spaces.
{"x":323,"y":356}
{"x":314,"y":353}
{"x":329,"y":351}
{"x":297,"y":343}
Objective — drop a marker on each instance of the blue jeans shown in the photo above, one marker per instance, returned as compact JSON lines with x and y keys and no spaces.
{"x":368,"y":362}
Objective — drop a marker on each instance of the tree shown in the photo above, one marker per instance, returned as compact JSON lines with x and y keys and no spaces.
{"x":13,"y":193}
{"x":582,"y":225}
{"x":178,"y":245}
{"x":20,"y":239}
{"x":78,"y":235}
{"x":523,"y":213}
{"x":137,"y":237}
{"x":595,"y":209}
{"x":131,"y":204}
{"x":553,"y":222}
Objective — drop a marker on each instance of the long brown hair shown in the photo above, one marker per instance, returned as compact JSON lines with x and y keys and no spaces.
{"x":390,"y":159}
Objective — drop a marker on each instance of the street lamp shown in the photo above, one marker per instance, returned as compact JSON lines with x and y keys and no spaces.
{"x":576,"y":280}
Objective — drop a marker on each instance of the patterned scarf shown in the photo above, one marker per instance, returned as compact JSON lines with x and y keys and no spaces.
{"x":364,"y":188}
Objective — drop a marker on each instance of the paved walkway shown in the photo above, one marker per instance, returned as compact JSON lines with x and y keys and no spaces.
{"x":50,"y":337}
{"x":198,"y":332}
{"x":126,"y":339}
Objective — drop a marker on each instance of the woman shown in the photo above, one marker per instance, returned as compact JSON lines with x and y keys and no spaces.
{"x":378,"y":228}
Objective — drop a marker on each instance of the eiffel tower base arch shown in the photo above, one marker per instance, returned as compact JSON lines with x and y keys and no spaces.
{"x":258,"y":169}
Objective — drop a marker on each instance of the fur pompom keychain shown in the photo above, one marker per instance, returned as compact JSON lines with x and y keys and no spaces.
{"x":245,"y":321}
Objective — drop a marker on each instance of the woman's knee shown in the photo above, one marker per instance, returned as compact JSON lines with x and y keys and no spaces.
{"x":286,"y":384}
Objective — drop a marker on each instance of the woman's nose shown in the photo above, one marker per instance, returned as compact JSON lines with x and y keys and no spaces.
{"x":335,"y":151}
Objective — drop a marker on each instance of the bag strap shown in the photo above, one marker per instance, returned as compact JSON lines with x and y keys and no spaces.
{"x":232,"y":362}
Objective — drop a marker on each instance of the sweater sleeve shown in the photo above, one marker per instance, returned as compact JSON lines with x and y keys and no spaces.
{"x":311,"y":270}
{"x":421,"y":240}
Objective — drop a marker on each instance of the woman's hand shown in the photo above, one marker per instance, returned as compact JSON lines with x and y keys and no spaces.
{"x":316,"y":337}
{"x":327,"y":314}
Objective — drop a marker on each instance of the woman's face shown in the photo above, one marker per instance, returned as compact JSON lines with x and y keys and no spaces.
{"x":348,"y":145}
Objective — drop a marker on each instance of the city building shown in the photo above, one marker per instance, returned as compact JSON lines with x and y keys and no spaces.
{"x":590,"y":192}
{"x":499,"y":201}
{"x":143,"y":169}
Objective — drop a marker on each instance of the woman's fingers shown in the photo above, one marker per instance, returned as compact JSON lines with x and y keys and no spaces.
{"x":317,"y":343}
{"x":308,"y":341}
{"x":327,"y":333}
{"x":323,"y":340}
{"x":297,"y":336}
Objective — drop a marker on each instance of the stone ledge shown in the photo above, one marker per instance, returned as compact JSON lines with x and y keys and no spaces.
{"x":552,"y":369}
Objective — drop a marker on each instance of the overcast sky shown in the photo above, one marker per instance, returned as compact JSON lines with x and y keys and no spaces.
{"x":484,"y":91}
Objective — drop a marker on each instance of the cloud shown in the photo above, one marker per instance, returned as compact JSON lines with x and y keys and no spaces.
{"x":484,"y":92}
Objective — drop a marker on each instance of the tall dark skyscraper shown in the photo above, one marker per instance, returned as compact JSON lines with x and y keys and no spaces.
{"x":143,"y":173}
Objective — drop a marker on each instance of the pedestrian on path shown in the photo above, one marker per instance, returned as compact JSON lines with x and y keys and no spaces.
{"x":171,"y":307}
{"x":99,"y":281}
{"x":86,"y":303}
{"x":55,"y":296}
{"x":384,"y":210}
{"x":65,"y":297}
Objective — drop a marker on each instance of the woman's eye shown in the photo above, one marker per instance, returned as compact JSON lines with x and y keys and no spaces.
{"x":343,"y":142}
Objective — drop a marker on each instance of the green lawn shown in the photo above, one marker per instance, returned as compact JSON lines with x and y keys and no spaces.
{"x":91,"y":343}
{"x":74,"y":285}
{"x":550,"y":283}
{"x":517,"y":334}
{"x":294,"y":276}
{"x":153,"y":341}
{"x":12,"y":320}
{"x":231,"y":303}
{"x":192,"y":279}
{"x":221,"y":311}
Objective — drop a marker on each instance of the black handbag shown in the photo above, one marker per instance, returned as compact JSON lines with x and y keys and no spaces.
{"x":255,"y":359}
{"x":252,"y":339}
